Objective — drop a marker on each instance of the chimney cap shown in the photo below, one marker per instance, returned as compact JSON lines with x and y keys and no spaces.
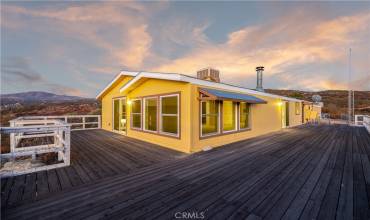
{"x":260,"y":68}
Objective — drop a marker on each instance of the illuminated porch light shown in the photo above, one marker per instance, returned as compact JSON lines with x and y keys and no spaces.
{"x":129,"y":102}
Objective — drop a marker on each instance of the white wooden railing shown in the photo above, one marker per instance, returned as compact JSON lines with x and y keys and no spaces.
{"x":363,"y":120}
{"x":77,"y":122}
{"x":54,"y":136}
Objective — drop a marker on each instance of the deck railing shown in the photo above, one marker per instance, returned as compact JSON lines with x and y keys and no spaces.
{"x":77,"y":122}
{"x":32,"y":143}
{"x":363,"y":120}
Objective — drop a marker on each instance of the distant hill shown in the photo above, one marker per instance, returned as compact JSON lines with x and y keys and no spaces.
{"x":335,"y":101}
{"x":44,"y":103}
{"x":35,"y":97}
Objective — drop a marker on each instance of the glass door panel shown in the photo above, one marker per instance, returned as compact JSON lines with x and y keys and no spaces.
{"x":116,"y":114}
{"x":119,"y":115}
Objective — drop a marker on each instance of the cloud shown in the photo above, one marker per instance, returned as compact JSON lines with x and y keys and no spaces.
{"x":19,"y":69}
{"x":300,"y":50}
{"x":138,"y":43}
{"x":281,"y":45}
{"x":96,"y":24}
{"x":16,"y":71}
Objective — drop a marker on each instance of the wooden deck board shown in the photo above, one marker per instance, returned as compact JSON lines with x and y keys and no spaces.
{"x":95,"y":154}
{"x":308,"y":172}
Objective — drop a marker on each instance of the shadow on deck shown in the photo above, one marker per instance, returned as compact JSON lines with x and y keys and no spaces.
{"x":307,"y":172}
{"x":95,"y":154}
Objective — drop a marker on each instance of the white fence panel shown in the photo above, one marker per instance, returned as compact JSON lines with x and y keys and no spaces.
{"x":23,"y":159}
{"x":363,"y":120}
{"x":77,"y":122}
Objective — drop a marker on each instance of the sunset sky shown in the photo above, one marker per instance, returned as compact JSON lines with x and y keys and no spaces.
{"x":78,"y":48}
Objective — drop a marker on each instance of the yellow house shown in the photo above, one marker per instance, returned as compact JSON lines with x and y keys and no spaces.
{"x":190,"y":114}
{"x":311,"y":111}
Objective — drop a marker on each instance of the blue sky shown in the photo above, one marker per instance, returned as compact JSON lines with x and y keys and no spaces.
{"x":78,"y":48}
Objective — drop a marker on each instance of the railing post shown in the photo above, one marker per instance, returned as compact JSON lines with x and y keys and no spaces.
{"x":67,"y":146}
{"x":83,"y":122}
{"x":12,"y":138}
{"x":99,"y":121}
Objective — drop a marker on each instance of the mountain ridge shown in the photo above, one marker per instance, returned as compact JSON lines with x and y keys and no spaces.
{"x":34,"y":97}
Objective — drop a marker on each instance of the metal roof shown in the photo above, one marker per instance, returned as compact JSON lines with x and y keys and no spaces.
{"x":219,"y":94}
{"x":189,"y":79}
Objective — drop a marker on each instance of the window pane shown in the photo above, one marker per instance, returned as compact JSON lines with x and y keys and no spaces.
{"x":169,"y":124}
{"x":210,"y":117}
{"x":169,"y":105}
{"x":210,"y":107}
{"x":228,"y":116}
{"x":122,"y":117}
{"x":244,"y":115}
{"x":151,"y":114}
{"x":136,"y":120}
{"x":136,"y":106}
{"x":209,"y":124}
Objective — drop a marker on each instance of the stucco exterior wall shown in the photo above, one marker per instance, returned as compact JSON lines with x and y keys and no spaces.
{"x":311,"y":112}
{"x":107,"y":102}
{"x":264,"y":118}
{"x":158,"y":87}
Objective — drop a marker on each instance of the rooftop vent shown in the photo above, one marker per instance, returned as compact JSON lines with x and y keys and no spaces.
{"x":259,"y":70}
{"x":209,"y":73}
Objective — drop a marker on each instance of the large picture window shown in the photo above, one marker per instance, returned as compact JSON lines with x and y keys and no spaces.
{"x":234,"y":116}
{"x":136,"y":113}
{"x":244,"y":115}
{"x":169,"y":114}
{"x":228,"y":116}
{"x":150,"y":114}
{"x":210,"y":117}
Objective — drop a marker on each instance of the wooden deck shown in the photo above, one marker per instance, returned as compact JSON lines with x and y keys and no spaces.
{"x":95,"y":154}
{"x":310,"y":172}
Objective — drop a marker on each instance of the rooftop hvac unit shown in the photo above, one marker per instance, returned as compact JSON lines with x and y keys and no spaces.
{"x":209,"y":73}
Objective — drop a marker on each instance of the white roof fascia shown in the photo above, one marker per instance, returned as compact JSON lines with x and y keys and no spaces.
{"x":122,"y":73}
{"x":184,"y":78}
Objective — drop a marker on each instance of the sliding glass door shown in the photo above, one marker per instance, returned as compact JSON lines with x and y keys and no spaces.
{"x":119,"y":115}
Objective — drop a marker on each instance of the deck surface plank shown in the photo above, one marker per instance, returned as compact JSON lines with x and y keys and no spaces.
{"x":307,"y":172}
{"x":95,"y":154}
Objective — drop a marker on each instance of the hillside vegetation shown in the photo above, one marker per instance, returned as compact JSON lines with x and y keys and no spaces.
{"x":81,"y":107}
{"x":335,"y":101}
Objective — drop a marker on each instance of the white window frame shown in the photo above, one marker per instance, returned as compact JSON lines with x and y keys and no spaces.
{"x":249,"y":117}
{"x":236,"y":117}
{"x":132,"y":114}
{"x":123,"y":99}
{"x":144,"y":102}
{"x":178,"y":115}
{"x":218,"y":120}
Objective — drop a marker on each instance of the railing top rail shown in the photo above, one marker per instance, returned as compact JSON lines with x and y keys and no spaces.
{"x":7,"y":130}
{"x":54,"y":116}
{"x":76,"y":122}
{"x":28,"y":121}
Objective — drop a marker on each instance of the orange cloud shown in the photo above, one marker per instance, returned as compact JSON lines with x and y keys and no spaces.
{"x":320,"y":42}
